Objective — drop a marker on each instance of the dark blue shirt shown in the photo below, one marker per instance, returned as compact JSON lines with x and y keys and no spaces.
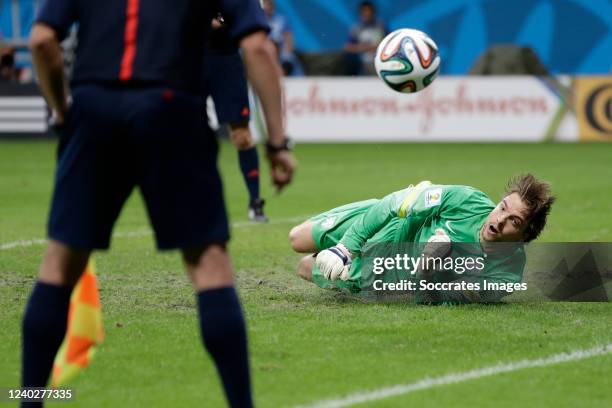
{"x":220,"y":41}
{"x":147,"y":41}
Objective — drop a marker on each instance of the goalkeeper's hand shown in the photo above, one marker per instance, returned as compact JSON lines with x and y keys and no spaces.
{"x":334,"y":262}
{"x":438,"y":246}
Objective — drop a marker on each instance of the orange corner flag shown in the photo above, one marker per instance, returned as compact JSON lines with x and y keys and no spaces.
{"x":84,"y":330}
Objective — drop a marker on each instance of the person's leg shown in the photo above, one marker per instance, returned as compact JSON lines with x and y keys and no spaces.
{"x":62,"y":265}
{"x":304,"y":269}
{"x":222,"y":323}
{"x":209,"y":268}
{"x":326,"y":229}
{"x":230,"y":93}
{"x":308,"y":271}
{"x":184,"y":197}
{"x":90,"y":188}
{"x":46,"y":314}
{"x":248,"y":159}
{"x":301,"y":238}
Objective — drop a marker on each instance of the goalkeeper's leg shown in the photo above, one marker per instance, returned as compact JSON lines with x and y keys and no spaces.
{"x":304,"y":269}
{"x":326,"y":229}
{"x":221,"y":321}
{"x":308,"y":271}
{"x":301,"y":238}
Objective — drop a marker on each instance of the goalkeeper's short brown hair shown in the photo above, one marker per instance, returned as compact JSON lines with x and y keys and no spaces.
{"x":537,"y":196}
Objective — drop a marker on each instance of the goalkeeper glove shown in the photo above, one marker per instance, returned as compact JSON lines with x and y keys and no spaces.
{"x":334,"y":262}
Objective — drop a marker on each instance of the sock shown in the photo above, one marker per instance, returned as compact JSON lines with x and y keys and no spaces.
{"x":249,"y":166}
{"x":224,"y":335}
{"x":44,"y":327}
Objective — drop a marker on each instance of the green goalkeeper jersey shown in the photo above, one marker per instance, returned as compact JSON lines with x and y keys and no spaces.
{"x":412,"y":215}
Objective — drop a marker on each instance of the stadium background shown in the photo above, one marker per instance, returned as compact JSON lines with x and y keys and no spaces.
{"x":570,"y":36}
{"x":307,"y":344}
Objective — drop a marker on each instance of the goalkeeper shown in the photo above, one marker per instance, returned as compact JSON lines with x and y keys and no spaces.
{"x":436,"y":215}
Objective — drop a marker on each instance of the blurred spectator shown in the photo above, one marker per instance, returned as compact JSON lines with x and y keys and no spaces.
{"x":282,"y":36}
{"x":365,"y":37}
{"x":8,"y":72}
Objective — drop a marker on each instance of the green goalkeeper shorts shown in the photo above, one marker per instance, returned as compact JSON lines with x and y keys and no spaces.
{"x":327,"y":230}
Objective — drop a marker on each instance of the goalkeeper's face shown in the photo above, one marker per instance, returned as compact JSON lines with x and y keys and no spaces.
{"x":507,"y":222}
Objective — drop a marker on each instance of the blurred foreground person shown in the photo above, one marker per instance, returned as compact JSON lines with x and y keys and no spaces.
{"x":136,"y":120}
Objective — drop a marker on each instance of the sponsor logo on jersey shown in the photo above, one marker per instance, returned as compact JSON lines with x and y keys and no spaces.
{"x":433,"y":197}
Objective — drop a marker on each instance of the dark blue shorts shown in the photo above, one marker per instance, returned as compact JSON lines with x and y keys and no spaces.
{"x":152,"y":138}
{"x":228,"y":87}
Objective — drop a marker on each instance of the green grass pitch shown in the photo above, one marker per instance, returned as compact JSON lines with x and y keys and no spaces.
{"x":308,"y":344}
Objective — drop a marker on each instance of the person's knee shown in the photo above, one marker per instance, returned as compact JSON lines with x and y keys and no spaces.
{"x":194,"y":256}
{"x":304,"y":269}
{"x":300,"y":238}
{"x":63,"y":265}
{"x":209,"y":267}
{"x":241,"y":137}
{"x":294,"y":235}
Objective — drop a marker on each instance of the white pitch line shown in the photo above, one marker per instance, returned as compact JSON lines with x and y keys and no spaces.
{"x":426,"y":383}
{"x":246,"y":224}
{"x":144,"y":233}
{"x":22,"y":243}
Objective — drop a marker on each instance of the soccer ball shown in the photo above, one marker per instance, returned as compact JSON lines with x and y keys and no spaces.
{"x":407,"y":60}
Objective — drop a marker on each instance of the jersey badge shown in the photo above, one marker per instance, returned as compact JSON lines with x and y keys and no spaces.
{"x":433,"y":197}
